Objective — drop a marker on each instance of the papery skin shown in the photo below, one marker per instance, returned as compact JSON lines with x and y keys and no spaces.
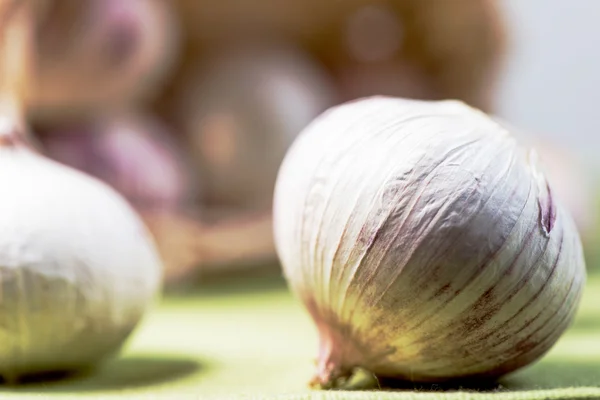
{"x":424,"y":242}
{"x":78,"y":268}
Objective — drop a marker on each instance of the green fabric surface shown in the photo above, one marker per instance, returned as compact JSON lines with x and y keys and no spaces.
{"x":252,"y":340}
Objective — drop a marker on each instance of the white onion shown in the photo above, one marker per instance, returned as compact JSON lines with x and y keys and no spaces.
{"x":425,"y":243}
{"x":78,"y":268}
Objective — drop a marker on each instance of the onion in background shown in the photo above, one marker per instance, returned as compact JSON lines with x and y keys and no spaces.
{"x":241,"y":110}
{"x":96,"y":55}
{"x":416,"y":49}
{"x":461,"y":45}
{"x":139,"y":158}
{"x":372,"y":63}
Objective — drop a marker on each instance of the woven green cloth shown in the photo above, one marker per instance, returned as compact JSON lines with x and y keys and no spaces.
{"x":253,"y":340}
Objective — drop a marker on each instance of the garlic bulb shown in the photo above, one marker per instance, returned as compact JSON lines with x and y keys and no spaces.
{"x":78,"y":268}
{"x":424,"y":242}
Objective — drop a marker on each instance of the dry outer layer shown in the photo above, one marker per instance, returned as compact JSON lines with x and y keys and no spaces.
{"x":425,"y":243}
{"x":192,"y":347}
{"x":77,"y":267}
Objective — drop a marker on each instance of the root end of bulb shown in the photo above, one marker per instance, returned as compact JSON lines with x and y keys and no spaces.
{"x":338,"y":362}
{"x":333,"y":378}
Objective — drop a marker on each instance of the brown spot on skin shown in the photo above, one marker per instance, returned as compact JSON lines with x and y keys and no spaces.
{"x":440,"y":291}
{"x":486,"y":298}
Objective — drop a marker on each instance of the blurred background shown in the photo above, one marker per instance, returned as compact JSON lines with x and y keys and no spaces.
{"x":550,"y":82}
{"x":187,"y":107}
